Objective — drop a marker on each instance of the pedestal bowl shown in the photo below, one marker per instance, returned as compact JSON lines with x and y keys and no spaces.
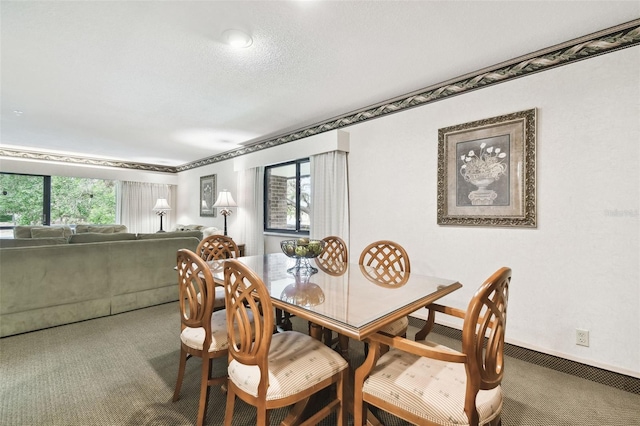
{"x":302,"y":250}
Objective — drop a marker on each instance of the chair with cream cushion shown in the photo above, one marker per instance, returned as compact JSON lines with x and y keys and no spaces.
{"x":270,"y":370}
{"x":429,"y":384}
{"x":218,"y":247}
{"x":204,"y":332}
{"x":392,"y":258}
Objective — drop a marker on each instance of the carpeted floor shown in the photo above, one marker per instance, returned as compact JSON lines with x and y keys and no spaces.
{"x":121,"y":370}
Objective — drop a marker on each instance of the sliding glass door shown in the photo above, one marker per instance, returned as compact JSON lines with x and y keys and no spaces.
{"x":22,"y":201}
{"x":46,"y":200}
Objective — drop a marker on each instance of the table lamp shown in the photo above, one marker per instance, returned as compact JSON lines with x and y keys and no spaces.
{"x":224,"y":201}
{"x":161,"y":208}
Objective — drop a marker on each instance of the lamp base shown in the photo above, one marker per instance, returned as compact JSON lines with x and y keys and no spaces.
{"x":161,"y":214}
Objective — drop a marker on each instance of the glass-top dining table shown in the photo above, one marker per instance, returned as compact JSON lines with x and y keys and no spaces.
{"x":351,"y":299}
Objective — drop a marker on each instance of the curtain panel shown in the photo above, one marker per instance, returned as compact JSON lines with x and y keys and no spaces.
{"x":251,"y":212}
{"x":329,"y":195}
{"x":135,"y":202}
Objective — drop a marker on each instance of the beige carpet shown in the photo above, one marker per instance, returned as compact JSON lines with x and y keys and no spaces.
{"x":121,"y":370}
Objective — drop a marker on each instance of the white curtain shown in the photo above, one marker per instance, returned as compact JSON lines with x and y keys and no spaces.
{"x":135,"y":202}
{"x":251,"y":210}
{"x":329,"y":195}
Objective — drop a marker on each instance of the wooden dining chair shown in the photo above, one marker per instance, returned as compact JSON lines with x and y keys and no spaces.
{"x":218,"y":247}
{"x":270,"y":370}
{"x":335,"y":255}
{"x":203,"y":332}
{"x":392,"y":263}
{"x":334,"y":260}
{"x":429,"y":384}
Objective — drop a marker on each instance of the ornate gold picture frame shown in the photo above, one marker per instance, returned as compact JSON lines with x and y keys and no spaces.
{"x":487,"y":172}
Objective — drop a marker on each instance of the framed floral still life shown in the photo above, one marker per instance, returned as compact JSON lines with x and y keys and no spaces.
{"x":486,"y":172}
{"x":207,"y":195}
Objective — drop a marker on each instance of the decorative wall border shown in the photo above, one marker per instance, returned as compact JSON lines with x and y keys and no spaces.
{"x":599,"y":43}
{"x":30,"y":155}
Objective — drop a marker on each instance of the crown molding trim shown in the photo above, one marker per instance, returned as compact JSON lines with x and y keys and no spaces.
{"x":60,"y":158}
{"x":589,"y":46}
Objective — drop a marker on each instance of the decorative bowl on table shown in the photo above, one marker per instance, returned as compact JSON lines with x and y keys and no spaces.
{"x":302,"y":250}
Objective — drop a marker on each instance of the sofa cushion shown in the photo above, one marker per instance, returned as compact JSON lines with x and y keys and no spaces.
{"x":207,"y":232}
{"x":30,"y":242}
{"x":94,"y":237}
{"x":24,"y":231}
{"x":179,"y":227}
{"x":102,"y":229}
{"x":176,"y":234}
{"x":54,"y":232}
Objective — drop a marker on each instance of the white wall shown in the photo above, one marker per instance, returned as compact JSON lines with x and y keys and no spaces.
{"x":579,"y":268}
{"x":189,"y":196}
{"x":227,"y":176}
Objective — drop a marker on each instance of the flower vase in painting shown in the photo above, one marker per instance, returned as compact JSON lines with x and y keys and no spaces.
{"x":481,"y":171}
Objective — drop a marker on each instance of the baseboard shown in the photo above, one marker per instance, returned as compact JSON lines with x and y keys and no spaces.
{"x":584,"y":371}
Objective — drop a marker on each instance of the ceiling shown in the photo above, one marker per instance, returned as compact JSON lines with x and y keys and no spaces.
{"x":153,"y":82}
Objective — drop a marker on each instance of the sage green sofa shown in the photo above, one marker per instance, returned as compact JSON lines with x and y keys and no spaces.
{"x":97,"y":275}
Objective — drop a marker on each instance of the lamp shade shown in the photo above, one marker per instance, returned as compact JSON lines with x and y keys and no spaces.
{"x":161,"y":205}
{"x":225,"y":200}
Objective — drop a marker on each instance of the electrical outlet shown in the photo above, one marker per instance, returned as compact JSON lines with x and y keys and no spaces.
{"x":582,"y":337}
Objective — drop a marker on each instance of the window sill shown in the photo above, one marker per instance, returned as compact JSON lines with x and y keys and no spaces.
{"x":286,"y":234}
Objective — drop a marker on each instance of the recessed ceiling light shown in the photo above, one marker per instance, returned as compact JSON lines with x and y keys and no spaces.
{"x":237,"y":38}
{"x":17,"y":112}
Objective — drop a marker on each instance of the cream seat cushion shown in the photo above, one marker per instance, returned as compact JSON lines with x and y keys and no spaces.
{"x":218,"y":298}
{"x":431,"y":389}
{"x":293,"y":366}
{"x":397,"y":327}
{"x":194,"y":337}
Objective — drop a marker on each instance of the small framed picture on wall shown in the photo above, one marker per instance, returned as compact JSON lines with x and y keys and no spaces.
{"x":207,"y":195}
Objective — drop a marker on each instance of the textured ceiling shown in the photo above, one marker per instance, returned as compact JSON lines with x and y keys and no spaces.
{"x":152,"y":82}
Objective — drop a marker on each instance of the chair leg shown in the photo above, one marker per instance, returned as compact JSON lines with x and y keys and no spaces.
{"x":359,"y":408}
{"x":262,"y":416}
{"x":204,"y":390}
{"x":228,"y":411}
{"x":342,"y":412}
{"x":183,"y":363}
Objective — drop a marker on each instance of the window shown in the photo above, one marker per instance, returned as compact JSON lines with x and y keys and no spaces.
{"x":46,"y":200}
{"x":287,"y":195}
